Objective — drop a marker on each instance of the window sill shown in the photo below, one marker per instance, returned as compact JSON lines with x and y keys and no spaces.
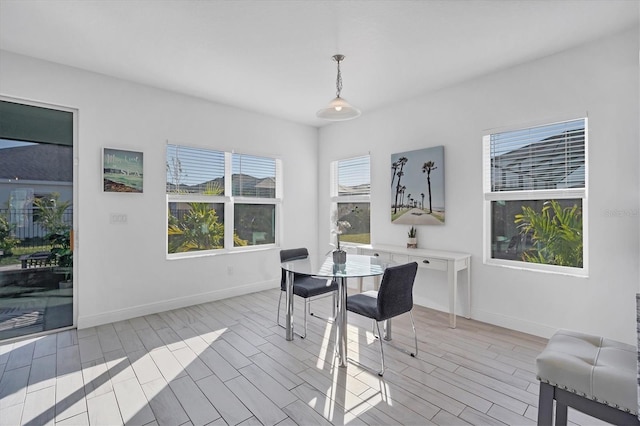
{"x":537,"y":267}
{"x":221,"y":252}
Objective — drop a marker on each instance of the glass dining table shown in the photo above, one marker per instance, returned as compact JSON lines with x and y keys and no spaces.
{"x":356,"y":266}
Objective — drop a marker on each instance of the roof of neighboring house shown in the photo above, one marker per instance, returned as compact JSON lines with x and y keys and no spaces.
{"x":241,"y":183}
{"x":268,"y":183}
{"x":553,"y":146}
{"x":46,"y":162}
{"x":361,"y":189}
{"x":558,"y":157}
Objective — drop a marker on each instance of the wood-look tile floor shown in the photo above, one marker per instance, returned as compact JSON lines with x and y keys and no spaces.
{"x":227,"y":362}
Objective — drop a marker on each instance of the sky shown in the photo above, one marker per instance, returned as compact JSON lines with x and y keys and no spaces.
{"x":4,"y":143}
{"x":416,"y":181}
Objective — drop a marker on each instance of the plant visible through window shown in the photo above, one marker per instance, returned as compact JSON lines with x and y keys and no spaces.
{"x":556,"y":234}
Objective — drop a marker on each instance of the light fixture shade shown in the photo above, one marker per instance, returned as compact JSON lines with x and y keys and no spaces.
{"x":338,"y":110}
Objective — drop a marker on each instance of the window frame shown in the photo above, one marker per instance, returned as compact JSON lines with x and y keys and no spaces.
{"x":228,"y":201}
{"x":336,"y":198}
{"x":490,"y":196}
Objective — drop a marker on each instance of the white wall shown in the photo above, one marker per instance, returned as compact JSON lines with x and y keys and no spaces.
{"x":122,"y":269}
{"x":600,"y":80}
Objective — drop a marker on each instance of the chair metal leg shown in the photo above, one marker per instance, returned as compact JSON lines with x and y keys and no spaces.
{"x":381,"y":350}
{"x":307,"y":307}
{"x":307,"y":311}
{"x":305,"y":317}
{"x":334,"y":307}
{"x":278,"y":318}
{"x":415,"y":336}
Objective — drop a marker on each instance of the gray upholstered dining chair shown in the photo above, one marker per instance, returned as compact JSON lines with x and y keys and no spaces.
{"x":395,"y":297}
{"x":305,"y":286}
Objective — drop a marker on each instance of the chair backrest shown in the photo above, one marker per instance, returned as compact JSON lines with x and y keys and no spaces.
{"x":291,"y":254}
{"x":395,"y":295}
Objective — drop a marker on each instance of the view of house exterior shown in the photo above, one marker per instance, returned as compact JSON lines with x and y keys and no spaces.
{"x":29,"y":172}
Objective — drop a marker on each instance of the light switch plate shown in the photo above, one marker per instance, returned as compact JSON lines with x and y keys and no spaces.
{"x":118,"y":218}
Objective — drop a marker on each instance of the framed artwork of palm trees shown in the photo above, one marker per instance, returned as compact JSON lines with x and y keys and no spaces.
{"x":417,"y":187}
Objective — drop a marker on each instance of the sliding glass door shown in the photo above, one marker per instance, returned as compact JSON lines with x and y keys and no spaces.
{"x":36,"y":219}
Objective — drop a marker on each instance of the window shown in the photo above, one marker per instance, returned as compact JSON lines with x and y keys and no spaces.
{"x":195,"y":171}
{"x":218,"y":200}
{"x":535,"y":197}
{"x":195,"y":226}
{"x":254,"y":185}
{"x":351,"y":189}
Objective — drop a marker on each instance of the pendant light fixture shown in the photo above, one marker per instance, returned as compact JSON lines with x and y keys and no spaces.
{"x":339,"y":109}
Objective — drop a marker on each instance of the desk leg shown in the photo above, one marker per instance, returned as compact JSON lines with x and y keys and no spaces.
{"x":469,"y":288}
{"x":453,"y":291}
{"x":289,"y":305}
{"x":341,"y":326}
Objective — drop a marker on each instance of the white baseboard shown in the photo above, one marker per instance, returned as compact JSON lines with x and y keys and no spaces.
{"x":167,"y":305}
{"x":427,"y":303}
{"x":181,"y":302}
{"x":511,"y":323}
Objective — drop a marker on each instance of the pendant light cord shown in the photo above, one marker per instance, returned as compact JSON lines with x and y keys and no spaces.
{"x":338,"y":79}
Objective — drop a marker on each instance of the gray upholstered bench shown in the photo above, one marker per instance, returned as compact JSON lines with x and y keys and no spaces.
{"x":591,"y":374}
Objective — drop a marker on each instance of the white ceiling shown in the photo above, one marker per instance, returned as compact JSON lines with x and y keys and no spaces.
{"x":274,"y":57}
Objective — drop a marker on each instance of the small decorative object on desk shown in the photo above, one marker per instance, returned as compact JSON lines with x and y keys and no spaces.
{"x":412,"y":242}
{"x":339,"y":255}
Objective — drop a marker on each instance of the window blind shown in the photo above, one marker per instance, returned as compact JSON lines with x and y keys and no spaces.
{"x":539,"y":158}
{"x":253,"y":176}
{"x":354,"y":176}
{"x":194,"y":170}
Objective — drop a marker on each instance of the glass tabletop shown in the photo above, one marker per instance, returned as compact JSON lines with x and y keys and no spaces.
{"x":356,"y":266}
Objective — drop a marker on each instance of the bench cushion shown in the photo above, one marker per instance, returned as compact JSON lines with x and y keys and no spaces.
{"x":593,"y":367}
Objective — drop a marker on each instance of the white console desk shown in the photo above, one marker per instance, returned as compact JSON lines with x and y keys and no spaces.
{"x":447,"y":261}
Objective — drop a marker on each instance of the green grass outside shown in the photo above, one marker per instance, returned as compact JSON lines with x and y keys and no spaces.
{"x":356,"y":238}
